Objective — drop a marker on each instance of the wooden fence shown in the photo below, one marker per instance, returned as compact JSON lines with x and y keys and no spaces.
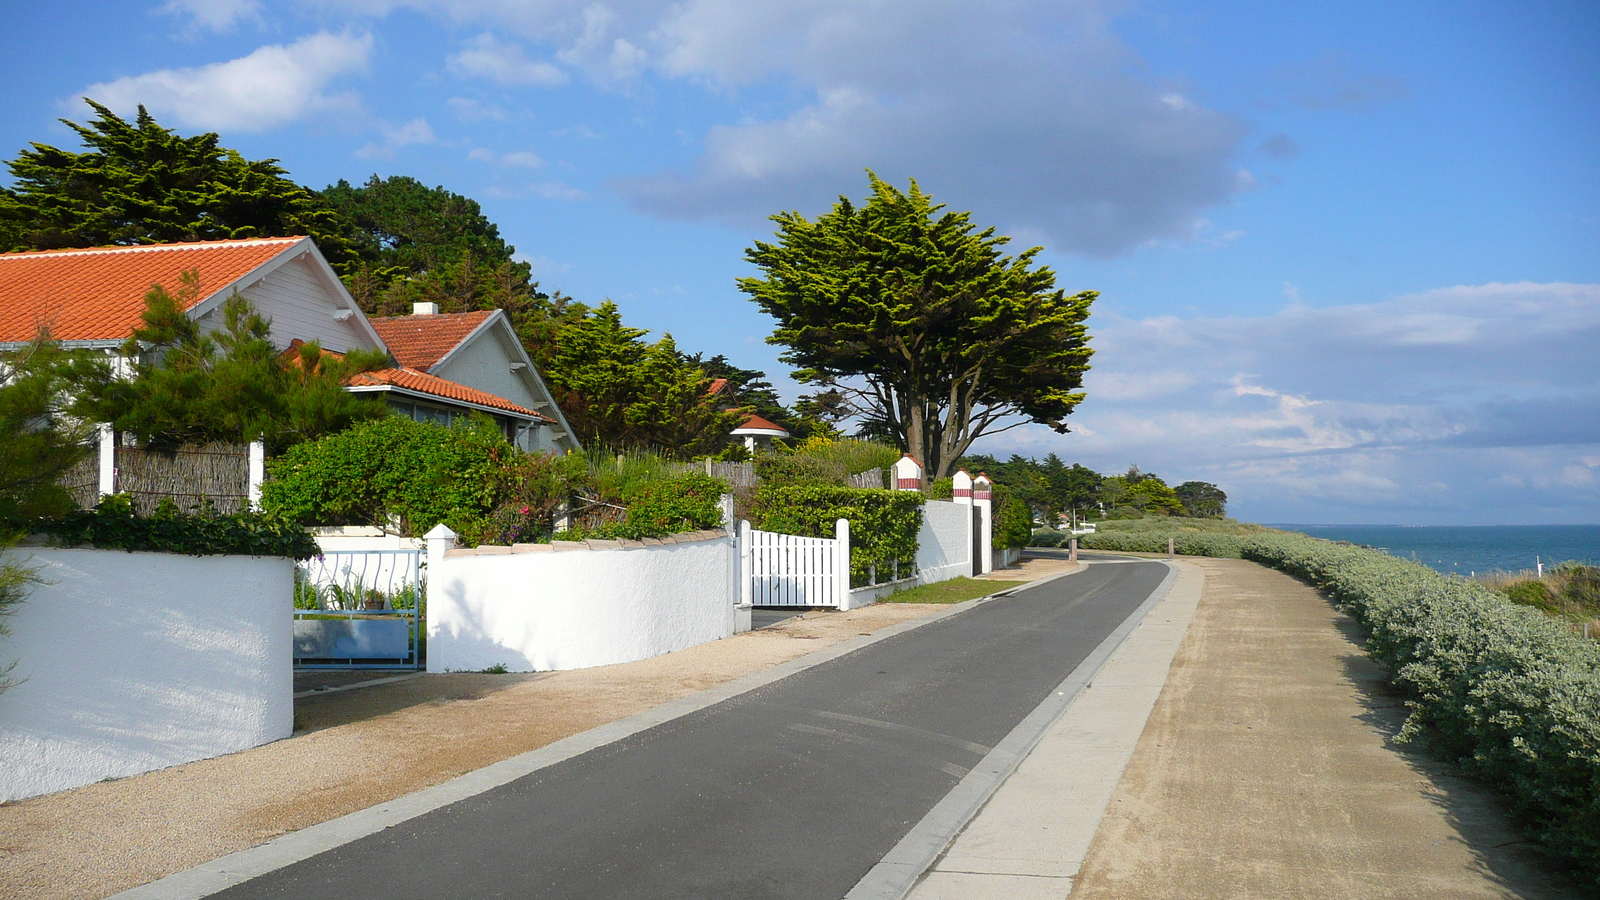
{"x":191,"y":475}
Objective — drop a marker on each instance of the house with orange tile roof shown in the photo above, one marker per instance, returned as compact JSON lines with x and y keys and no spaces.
{"x":449,"y":366}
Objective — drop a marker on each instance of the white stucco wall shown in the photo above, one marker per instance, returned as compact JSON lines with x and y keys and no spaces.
{"x":130,"y":662}
{"x":572,"y":609}
{"x":944,"y":544}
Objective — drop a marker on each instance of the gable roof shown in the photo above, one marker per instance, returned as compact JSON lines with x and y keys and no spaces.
{"x":423,"y":383}
{"x":757,"y":425}
{"x":96,"y":295}
{"x":419,"y":342}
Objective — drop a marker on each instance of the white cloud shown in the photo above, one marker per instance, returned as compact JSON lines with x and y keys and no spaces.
{"x":1032,"y":113}
{"x":1424,"y":407}
{"x":520,"y":158}
{"x":486,"y":56}
{"x":475,"y":110}
{"x":213,"y":15}
{"x":556,"y":190}
{"x":416,"y":131}
{"x":272,"y":86}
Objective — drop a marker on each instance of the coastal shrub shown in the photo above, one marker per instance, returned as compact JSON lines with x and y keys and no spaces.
{"x":114,"y":525}
{"x":665,"y":506}
{"x":1048,"y":537}
{"x":883,"y":524}
{"x":1502,"y":690}
{"x":1186,"y":543}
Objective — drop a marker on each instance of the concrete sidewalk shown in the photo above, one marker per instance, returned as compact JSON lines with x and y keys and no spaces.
{"x":1237,"y":745}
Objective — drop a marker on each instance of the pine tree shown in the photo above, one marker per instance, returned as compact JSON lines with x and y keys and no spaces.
{"x":139,"y":183}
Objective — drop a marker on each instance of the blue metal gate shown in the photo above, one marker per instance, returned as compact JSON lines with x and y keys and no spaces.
{"x":360,"y":609}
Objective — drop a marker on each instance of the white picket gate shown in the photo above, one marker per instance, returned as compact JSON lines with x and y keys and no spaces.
{"x":789,"y":570}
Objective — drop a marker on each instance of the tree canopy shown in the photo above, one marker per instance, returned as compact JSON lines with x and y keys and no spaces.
{"x":139,"y":183}
{"x":620,"y":391}
{"x":230,"y":385}
{"x":918,"y":320}
{"x":429,"y":244}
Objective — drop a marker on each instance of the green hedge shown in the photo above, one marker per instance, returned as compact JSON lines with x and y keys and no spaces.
{"x":420,"y":472}
{"x":1502,"y":690}
{"x":113,"y":525}
{"x":667,"y":506}
{"x":1013,"y":520}
{"x":883,"y":524}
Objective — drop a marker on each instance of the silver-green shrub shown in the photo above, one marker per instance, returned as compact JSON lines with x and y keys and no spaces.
{"x":1187,"y":543}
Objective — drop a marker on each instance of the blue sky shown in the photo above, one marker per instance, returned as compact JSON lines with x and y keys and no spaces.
{"x":1348,"y":254}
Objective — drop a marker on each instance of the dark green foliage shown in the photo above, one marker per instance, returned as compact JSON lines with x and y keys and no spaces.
{"x":113,"y":525}
{"x":1202,"y":499}
{"x":666,"y":506}
{"x":926,"y":330}
{"x":138,"y":183}
{"x":40,"y":438}
{"x":1532,"y":593}
{"x":1013,"y":520}
{"x":231,"y":385}
{"x":883,"y":524}
{"x":417,"y":472}
{"x":428,"y":244}
{"x":618,"y":390}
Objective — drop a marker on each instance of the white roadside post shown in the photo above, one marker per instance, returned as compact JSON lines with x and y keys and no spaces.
{"x":1072,"y":554}
{"x":841,"y":563}
{"x":982,"y":497}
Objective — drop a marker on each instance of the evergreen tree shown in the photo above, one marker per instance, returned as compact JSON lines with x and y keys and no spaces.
{"x":1202,"y":500}
{"x":622,"y":392}
{"x":933,"y":336}
{"x":139,"y":183}
{"x":231,"y":385}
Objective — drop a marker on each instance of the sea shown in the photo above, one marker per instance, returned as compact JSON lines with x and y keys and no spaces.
{"x":1471,"y":549}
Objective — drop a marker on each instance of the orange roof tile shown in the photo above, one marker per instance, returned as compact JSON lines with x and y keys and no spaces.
{"x":98,"y":294}
{"x":422,"y":382}
{"x":418,"y":342}
{"x":758,"y":423}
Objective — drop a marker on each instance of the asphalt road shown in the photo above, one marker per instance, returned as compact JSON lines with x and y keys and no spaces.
{"x":794,"y":790}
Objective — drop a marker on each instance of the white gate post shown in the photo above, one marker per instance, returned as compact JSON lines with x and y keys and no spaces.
{"x":841,"y":565}
{"x":744,"y":570}
{"x":907,"y":473}
{"x":982,"y":496}
{"x":258,"y":473}
{"x":108,"y":460}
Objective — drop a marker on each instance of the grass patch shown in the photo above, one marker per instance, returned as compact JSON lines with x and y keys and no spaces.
{"x":955,"y":590}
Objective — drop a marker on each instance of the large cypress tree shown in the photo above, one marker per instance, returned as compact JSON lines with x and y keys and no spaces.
{"x":918,"y":321}
{"x":139,"y":183}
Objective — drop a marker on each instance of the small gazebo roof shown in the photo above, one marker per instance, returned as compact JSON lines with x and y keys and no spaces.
{"x":759,"y":427}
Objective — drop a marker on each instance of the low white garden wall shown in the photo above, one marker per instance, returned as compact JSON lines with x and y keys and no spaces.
{"x":944,"y":544}
{"x":130,"y":662}
{"x":542,"y":607}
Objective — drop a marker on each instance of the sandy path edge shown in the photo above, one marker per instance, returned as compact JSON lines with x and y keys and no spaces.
{"x":354,"y":749}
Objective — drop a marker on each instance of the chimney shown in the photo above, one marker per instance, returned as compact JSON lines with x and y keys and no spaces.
{"x":424,"y":309}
